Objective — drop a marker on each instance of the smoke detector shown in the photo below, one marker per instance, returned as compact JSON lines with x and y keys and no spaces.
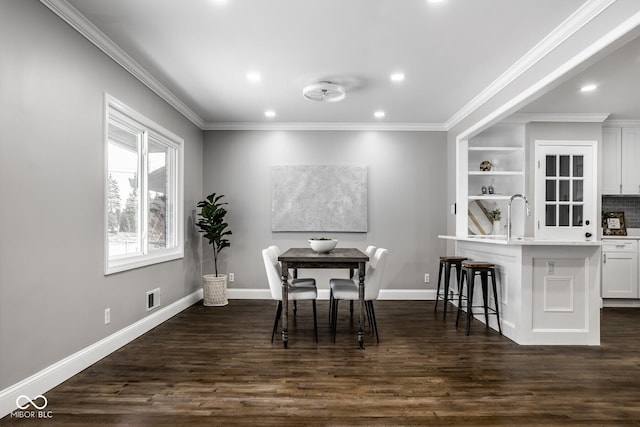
{"x":324,"y":92}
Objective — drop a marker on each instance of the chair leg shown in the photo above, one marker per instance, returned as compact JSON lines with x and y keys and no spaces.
{"x":351,"y":308}
{"x":335,"y":318}
{"x":368,"y":318}
{"x":315,"y":320}
{"x":330,"y":307}
{"x":277,"y":320}
{"x":295,"y":308}
{"x":374,"y":322}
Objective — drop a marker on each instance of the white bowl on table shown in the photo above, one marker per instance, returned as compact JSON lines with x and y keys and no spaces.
{"x":323,"y":246}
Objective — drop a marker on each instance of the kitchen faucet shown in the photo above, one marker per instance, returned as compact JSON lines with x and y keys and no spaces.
{"x":526,"y":204}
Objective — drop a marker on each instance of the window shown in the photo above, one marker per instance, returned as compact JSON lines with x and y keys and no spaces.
{"x":143,"y":190}
{"x":565,"y":193}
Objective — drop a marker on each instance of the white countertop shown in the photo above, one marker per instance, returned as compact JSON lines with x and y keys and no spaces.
{"x":521,"y":241}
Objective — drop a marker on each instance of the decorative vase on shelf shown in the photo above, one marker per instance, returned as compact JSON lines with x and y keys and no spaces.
{"x":496,"y":228}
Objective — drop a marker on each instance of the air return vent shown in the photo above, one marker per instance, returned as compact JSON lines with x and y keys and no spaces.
{"x":153,"y":299}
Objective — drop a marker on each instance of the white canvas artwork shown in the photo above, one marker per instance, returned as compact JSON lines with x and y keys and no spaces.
{"x":311,"y":198}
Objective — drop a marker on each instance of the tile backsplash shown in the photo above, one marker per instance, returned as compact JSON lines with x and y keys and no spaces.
{"x":630,"y":205}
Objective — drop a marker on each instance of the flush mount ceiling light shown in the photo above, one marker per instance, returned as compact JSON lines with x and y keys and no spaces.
{"x":588,"y":88}
{"x":324,"y":92}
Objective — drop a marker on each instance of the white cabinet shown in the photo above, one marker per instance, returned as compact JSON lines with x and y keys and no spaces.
{"x":611,"y":160}
{"x":630,"y":161}
{"x":620,"y":160}
{"x":619,"y":268}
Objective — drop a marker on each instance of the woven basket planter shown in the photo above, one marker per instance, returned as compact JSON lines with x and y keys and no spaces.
{"x":214,"y":290}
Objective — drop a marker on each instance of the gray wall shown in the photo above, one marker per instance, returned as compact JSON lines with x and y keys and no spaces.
{"x":52,"y":288}
{"x":407,"y":209}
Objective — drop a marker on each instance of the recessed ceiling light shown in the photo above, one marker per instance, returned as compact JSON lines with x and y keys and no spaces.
{"x":379,"y":114}
{"x":437,"y":1}
{"x":254,"y":76}
{"x":270,"y":114}
{"x":397,"y":77}
{"x":588,"y":88}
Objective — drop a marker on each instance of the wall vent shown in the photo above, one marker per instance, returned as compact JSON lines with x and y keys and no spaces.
{"x":153,"y":299}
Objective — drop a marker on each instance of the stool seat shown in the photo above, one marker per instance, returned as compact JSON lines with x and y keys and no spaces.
{"x":477,"y":264}
{"x":446,"y":264}
{"x":471,"y":269}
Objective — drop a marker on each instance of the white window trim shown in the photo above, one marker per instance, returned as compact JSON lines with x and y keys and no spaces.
{"x":130,"y":262}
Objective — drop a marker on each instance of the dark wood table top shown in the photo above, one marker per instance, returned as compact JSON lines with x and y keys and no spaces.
{"x":336,"y":255}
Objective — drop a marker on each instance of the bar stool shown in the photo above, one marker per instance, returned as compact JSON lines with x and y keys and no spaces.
{"x":471,"y":269}
{"x":446,"y":263}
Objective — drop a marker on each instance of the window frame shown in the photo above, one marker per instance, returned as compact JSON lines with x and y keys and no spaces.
{"x":117,"y":112}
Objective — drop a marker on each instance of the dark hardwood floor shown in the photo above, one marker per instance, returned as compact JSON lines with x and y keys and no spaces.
{"x":217,"y":366}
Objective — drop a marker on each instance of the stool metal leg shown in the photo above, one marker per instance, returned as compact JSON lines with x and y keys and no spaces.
{"x":495,"y":299}
{"x":438,"y":288}
{"x":463,"y":276}
{"x":470,"y":282}
{"x":447,"y":279}
{"x":485,"y":295}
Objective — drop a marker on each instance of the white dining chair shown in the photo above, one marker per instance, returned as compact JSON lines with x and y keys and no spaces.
{"x":347,"y":289}
{"x":370,"y":251}
{"x":293,"y":280}
{"x":295,"y":291}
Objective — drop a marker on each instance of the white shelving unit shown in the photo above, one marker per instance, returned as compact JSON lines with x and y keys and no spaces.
{"x":504,"y":147}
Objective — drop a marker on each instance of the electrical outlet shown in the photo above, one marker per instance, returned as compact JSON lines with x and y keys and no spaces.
{"x":232,"y":277}
{"x":107,"y":316}
{"x":551,"y":267}
{"x":426,"y":278}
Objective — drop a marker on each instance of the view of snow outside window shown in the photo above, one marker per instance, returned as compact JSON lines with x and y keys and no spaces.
{"x":125,"y":165}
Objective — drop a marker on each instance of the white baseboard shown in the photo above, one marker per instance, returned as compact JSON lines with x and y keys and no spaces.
{"x":48,"y":378}
{"x":621,"y":303}
{"x":45,"y":380}
{"x":323,"y":294}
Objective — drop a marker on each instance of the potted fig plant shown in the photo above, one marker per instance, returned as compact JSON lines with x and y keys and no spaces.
{"x":214,"y":228}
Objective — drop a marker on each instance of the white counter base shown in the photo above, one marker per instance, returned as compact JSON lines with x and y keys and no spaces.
{"x":549,"y":294}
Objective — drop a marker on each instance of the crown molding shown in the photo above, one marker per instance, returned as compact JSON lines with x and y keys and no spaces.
{"x":519,"y":100}
{"x":81,"y":24}
{"x":588,"y":11}
{"x":621,"y":123}
{"x":393,"y":127}
{"x":557,"y":117}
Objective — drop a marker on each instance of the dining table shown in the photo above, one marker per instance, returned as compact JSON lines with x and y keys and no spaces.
{"x":337,"y":258}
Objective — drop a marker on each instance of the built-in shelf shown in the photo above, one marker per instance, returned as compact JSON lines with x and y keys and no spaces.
{"x":496,"y":173}
{"x":503,"y":147}
{"x":496,"y":148}
{"x":489,"y":197}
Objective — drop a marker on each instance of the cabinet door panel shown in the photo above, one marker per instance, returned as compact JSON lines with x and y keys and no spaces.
{"x":630,"y":160}
{"x":620,"y":275}
{"x":611,"y":160}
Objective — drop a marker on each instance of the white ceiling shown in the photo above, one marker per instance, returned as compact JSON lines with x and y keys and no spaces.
{"x":617,"y":77}
{"x":201,"y":50}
